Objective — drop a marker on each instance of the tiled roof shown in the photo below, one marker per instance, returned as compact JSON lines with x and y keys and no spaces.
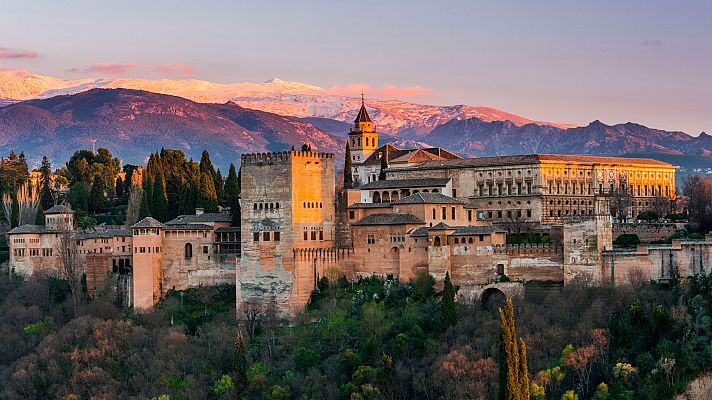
{"x":389,"y":219}
{"x":475,"y":230}
{"x":109,"y":233}
{"x":428,"y":198}
{"x":228,"y":229}
{"x":28,"y":229}
{"x":406,"y":183}
{"x":206,"y":217}
{"x":58,"y":209}
{"x":369,"y":205}
{"x":441,"y":226}
{"x":362,"y":115}
{"x":420,"y":232}
{"x":532,"y":159}
{"x":394,"y":153}
{"x":188,"y":227}
{"x":148,"y":222}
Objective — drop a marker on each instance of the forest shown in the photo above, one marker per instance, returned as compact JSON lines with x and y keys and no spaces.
{"x":371,"y":339}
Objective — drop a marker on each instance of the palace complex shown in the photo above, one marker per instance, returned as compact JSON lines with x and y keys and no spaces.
{"x":434,"y":212}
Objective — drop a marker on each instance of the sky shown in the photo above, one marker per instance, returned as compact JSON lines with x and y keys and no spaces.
{"x":565,"y":61}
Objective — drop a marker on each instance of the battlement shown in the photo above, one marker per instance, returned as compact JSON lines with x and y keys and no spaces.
{"x":281,"y":157}
{"x":331,"y":254}
{"x":529,"y":248}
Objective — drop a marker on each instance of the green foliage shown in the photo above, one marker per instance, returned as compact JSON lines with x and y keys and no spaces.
{"x":13,"y":172}
{"x":601,"y":392}
{"x":648,"y":216}
{"x":423,"y":286}
{"x":305,"y":358}
{"x":207,"y":197}
{"x":627,"y":240}
{"x":513,"y":369}
{"x":97,"y":198}
{"x":569,"y":395}
{"x":447,"y":304}
{"x":78,"y":197}
{"x":40,"y":327}
{"x":145,"y":208}
{"x":175,"y":383}
{"x":119,"y":186}
{"x":232,"y":183}
{"x":161,"y":397}
{"x":223,"y":385}
{"x":40,"y":217}
{"x":160,"y":202}
{"x":46,"y":198}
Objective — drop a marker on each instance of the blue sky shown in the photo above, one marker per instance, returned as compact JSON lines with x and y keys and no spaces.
{"x":564,"y":61}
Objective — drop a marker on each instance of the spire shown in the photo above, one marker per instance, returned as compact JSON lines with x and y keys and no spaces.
{"x":362,"y":115}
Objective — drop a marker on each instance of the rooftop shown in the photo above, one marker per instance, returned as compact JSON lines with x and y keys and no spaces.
{"x":389,"y":219}
{"x":58,"y":209}
{"x":148,"y":222}
{"x":109,"y":233}
{"x":458,"y":230}
{"x":370,"y":205}
{"x":406,"y":183}
{"x":187,"y":227}
{"x":28,"y":229}
{"x":403,"y":155}
{"x":205,"y":217}
{"x":534,"y":159}
{"x":428,"y":198}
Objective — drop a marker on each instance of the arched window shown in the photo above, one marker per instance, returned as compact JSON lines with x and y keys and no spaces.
{"x":255,"y":206}
{"x":457,"y":241}
{"x":260,"y":206}
{"x":188,"y":250}
{"x":271,"y":206}
{"x":436,"y":241}
{"x":469,"y":240}
{"x":276,"y":205}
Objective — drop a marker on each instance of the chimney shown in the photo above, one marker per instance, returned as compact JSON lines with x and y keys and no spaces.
{"x":199,"y":211}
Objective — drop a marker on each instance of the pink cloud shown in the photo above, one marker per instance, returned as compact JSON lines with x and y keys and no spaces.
{"x":652,"y":43}
{"x":122,"y":69}
{"x":111,"y":69}
{"x":16,"y":53}
{"x":385,"y":91}
{"x":169,"y":68}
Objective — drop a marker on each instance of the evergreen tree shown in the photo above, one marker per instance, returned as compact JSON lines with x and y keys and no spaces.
{"x":78,"y":197}
{"x":40,"y":217}
{"x":232,"y":184}
{"x":206,"y":166}
{"x":145,"y":210}
{"x":447,"y":304}
{"x":46,"y":198}
{"x":348,"y":175}
{"x":207,"y":198}
{"x":513,"y":370}
{"x":188,"y":199}
{"x":235,"y":211}
{"x":160,"y":202}
{"x":306,"y":147}
{"x":97,"y":198}
{"x":119,"y":187}
{"x":240,"y":360}
{"x":220,"y":189}
{"x":384,"y":165}
{"x":175,"y":173}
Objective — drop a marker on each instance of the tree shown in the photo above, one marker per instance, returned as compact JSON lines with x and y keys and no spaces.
{"x":27,"y":201}
{"x":384,"y":165}
{"x":97,"y":198}
{"x":306,"y":147}
{"x":86,"y":223}
{"x":78,"y":197}
{"x":69,"y":267}
{"x":160,"y":203}
{"x":447,"y":304}
{"x":232,"y":183}
{"x":220,"y":189}
{"x":239,"y":358}
{"x":40,"y":217}
{"x":135,"y":192}
{"x":513,"y":370}
{"x":620,"y":201}
{"x":698,"y":191}
{"x":348,"y":174}
{"x":235,"y":211}
{"x":207,"y":198}
{"x":119,"y":187}
{"x":144,"y":210}
{"x":46,"y":198}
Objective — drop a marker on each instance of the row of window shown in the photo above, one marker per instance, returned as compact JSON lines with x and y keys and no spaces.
{"x":265,"y":206}
{"x":356,"y":141}
{"x":34,"y":252}
{"x":312,"y":204}
{"x":502,"y":190}
{"x":501,"y":214}
{"x":266,"y":236}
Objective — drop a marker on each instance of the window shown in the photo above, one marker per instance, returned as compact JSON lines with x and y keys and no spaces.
{"x":371,"y":239}
{"x":436,"y":241}
{"x":444,"y":212}
{"x":265,"y":236}
{"x":321,"y":235}
{"x":188,"y":250}
{"x":276,"y":236}
{"x":313,"y":235}
{"x":454,"y":192}
{"x":205,"y":249}
{"x":500,"y":269}
{"x":352,"y":214}
{"x":434,"y":213}
{"x":306,"y":235}
{"x":256,"y":236}
{"x":469,"y":215}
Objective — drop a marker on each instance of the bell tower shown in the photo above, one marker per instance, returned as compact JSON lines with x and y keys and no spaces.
{"x":363,"y":138}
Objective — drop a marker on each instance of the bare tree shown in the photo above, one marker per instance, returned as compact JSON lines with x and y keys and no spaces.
{"x":619,"y":201}
{"x":514,"y":222}
{"x":135,"y":192}
{"x":661,"y":206}
{"x":70,"y":267}
{"x":251,"y":311}
{"x":7,"y":207}
{"x":698,"y":191}
{"x":28,"y":199}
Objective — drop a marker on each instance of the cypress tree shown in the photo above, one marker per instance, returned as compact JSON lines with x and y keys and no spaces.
{"x":188,"y":199}
{"x":235,"y":211}
{"x":40,"y":217}
{"x":119,"y":187}
{"x":513,"y":370}
{"x":160,"y":202}
{"x":46,"y":198}
{"x":206,"y":166}
{"x":220,"y":189}
{"x":97,"y":198}
{"x":240,"y":360}
{"x":384,"y":165}
{"x":232,"y":185}
{"x":348,"y":175}
{"x":144,"y":211}
{"x":447,"y":304}
{"x":207,"y":198}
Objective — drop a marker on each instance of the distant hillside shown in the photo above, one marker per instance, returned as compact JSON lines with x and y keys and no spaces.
{"x":474,"y":137}
{"x":133,"y":123}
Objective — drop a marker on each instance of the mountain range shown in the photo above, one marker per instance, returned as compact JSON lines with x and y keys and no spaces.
{"x":44,"y":115}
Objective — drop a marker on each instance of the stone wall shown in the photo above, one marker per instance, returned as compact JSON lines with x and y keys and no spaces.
{"x":647,"y":232}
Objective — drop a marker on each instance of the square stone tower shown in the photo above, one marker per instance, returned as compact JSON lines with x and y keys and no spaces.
{"x":287,"y":204}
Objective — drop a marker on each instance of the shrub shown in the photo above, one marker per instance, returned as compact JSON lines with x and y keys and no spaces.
{"x":627,"y":240}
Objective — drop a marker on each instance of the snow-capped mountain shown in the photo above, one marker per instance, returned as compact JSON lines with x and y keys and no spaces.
{"x":275,"y":96}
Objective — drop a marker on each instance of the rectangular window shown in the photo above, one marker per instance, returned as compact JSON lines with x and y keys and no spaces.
{"x":265,"y":236}
{"x":276,"y":236}
{"x":306,"y":235}
{"x":352,"y":214}
{"x":433,"y":213}
{"x":321,"y":235}
{"x":371,"y":239}
{"x":519,"y":188}
{"x":313,"y":235}
{"x":469,"y":215}
{"x":452,"y":212}
{"x":481,"y":190}
{"x":256,"y":237}
{"x":489,"y":190}
{"x":444,"y":212}
{"x":529,"y":213}
{"x":454,"y":192}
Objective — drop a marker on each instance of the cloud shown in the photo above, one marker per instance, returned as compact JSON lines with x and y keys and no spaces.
{"x":652,"y":43}
{"x":111,"y":69}
{"x":386,"y":91}
{"x":123,"y":69}
{"x":16,"y":53}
